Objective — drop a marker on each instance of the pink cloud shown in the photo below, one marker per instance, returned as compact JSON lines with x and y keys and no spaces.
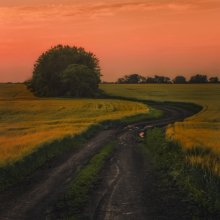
{"x":51,"y":11}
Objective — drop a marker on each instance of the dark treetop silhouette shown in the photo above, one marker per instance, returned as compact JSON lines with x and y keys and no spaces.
{"x":65,"y":71}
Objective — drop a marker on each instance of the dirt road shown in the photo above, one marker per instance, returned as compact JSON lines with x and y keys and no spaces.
{"x":131,"y":188}
{"x":31,"y":198}
{"x":123,"y":193}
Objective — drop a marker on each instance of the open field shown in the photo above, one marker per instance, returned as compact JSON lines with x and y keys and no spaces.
{"x":132,"y":161}
{"x":103,"y":187}
{"x":201,"y":130}
{"x":27,"y":122}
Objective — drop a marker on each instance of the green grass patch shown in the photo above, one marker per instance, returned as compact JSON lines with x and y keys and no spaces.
{"x":199,"y":184}
{"x":77,"y":196}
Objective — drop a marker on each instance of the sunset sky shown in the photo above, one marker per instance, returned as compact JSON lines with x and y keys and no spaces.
{"x":128,"y":36}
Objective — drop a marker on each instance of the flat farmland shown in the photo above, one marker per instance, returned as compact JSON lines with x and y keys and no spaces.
{"x":40,"y":150}
{"x":199,"y":131}
{"x":28,"y":122}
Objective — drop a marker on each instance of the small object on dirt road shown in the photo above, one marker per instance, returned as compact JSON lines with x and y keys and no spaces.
{"x":141,"y":134}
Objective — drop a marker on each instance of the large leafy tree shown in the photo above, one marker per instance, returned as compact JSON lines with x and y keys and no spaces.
{"x":54,"y":67}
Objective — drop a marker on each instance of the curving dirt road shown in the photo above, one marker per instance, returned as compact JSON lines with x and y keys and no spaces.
{"x":130,"y":190}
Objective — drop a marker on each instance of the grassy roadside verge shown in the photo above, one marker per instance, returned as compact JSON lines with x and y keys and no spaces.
{"x":77,"y":195}
{"x":198,"y":184}
{"x":15,"y":172}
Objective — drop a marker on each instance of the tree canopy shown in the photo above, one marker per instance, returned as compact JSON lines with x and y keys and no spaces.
{"x":179,"y":80}
{"x":214,"y":79}
{"x":131,"y":79}
{"x":79,"y":81}
{"x":64,"y":70}
{"x":139,"y":79}
{"x":198,"y":78}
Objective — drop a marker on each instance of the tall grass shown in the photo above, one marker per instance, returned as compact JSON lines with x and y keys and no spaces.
{"x":27,"y":122}
{"x":199,"y":183}
{"x":35,"y":130}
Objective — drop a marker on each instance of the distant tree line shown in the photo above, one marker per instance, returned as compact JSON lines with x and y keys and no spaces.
{"x":139,"y":79}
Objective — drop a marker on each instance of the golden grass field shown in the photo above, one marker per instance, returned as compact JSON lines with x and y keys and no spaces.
{"x":27,"y":122}
{"x":201,"y":130}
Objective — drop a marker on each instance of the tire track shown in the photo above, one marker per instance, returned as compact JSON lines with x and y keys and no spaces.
{"x":119,"y":203}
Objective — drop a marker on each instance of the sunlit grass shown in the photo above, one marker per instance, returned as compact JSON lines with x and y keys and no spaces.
{"x":201,"y":130}
{"x":27,"y":122}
